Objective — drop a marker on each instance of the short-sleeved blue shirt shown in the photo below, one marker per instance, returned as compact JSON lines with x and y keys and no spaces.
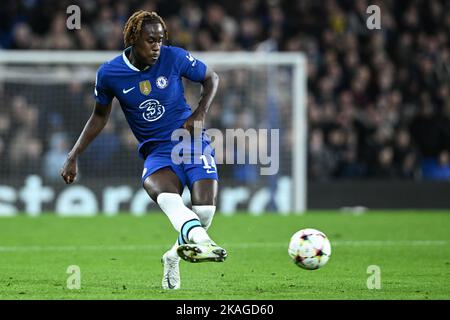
{"x":152,"y":99}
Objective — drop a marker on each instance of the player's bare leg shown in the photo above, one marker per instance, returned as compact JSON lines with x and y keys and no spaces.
{"x":162,"y":181}
{"x":203,"y":198}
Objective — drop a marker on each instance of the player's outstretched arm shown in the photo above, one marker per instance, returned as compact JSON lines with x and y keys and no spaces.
{"x":93,"y":127}
{"x":209,"y":89}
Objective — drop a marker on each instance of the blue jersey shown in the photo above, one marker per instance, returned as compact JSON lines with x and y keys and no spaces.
{"x":152,"y":99}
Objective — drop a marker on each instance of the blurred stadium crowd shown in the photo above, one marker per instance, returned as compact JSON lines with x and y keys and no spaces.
{"x":378,"y":101}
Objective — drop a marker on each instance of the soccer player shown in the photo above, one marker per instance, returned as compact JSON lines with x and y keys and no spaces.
{"x":147,"y":81}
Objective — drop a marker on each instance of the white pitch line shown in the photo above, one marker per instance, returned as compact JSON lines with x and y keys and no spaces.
{"x":149,"y":247}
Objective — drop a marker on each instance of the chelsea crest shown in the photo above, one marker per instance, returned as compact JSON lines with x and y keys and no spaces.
{"x":162,"y":82}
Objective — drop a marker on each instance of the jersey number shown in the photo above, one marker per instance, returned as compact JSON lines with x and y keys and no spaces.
{"x":210,"y":168}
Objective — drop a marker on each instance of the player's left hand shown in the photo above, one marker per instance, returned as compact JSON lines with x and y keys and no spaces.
{"x":195,"y":123}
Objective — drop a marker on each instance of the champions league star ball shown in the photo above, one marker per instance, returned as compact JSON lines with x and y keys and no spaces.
{"x":309,"y":249}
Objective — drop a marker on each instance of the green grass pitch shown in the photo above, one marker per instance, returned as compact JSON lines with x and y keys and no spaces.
{"x":119,"y":257}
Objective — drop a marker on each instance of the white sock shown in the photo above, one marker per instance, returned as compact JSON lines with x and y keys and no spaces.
{"x":205,"y":213}
{"x":199,"y":235}
{"x":172,"y":253}
{"x":184,"y":220}
{"x":173,"y":206}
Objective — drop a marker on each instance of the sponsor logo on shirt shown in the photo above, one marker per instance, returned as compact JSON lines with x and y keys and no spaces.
{"x":153,"y":110}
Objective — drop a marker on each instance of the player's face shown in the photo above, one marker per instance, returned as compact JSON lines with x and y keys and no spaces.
{"x":148,"y":47}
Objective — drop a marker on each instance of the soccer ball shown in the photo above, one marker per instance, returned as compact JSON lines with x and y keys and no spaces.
{"x":309,"y":249}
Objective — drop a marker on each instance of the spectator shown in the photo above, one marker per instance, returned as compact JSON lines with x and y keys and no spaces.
{"x":437,"y":169}
{"x":384,"y":167}
{"x":378,"y":100}
{"x":320,"y":158}
{"x":109,"y":143}
{"x":55,"y":156}
{"x":405,"y":155}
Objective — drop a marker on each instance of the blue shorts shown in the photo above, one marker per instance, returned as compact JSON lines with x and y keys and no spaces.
{"x":190,"y":163}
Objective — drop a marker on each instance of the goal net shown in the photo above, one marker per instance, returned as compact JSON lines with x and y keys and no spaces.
{"x":47,"y":97}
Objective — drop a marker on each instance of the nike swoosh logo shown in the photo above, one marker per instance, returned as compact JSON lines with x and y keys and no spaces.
{"x":169,"y":284}
{"x":210,"y":171}
{"x":128,"y":90}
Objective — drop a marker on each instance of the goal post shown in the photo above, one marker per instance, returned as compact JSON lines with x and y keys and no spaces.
{"x":283,"y":74}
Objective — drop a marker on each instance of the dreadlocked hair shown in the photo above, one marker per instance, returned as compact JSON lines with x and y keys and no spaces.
{"x":134,"y":24}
